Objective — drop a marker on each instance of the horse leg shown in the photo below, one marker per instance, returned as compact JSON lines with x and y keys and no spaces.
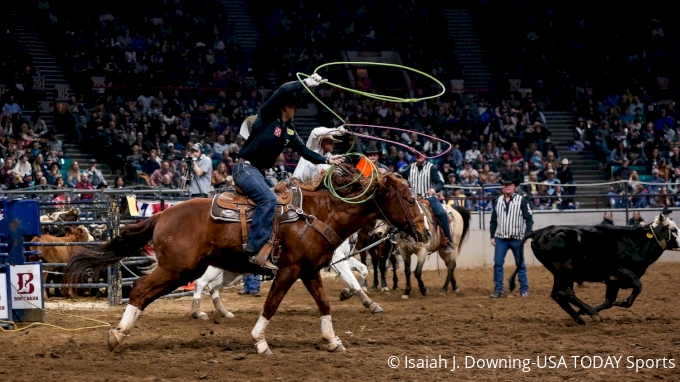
{"x":282,"y":283}
{"x":395,"y":265}
{"x":363,"y":261}
{"x":450,"y":260}
{"x":211,"y":274}
{"x":144,"y":291}
{"x":355,"y":265}
{"x":422,"y":256}
{"x":227,"y":279}
{"x":407,"y":273}
{"x":345,"y":271}
{"x":315,"y":287}
{"x":383,"y":271}
{"x":375,"y":262}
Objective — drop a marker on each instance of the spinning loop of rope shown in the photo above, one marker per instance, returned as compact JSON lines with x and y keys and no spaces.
{"x":374,"y":170}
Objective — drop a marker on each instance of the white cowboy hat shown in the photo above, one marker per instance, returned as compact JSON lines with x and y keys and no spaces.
{"x":247,"y":126}
{"x":565,"y":161}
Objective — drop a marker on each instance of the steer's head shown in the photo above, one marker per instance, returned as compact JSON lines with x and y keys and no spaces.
{"x":666,"y":232}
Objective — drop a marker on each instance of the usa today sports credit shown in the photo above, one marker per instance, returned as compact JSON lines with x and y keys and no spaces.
{"x":574,"y":362}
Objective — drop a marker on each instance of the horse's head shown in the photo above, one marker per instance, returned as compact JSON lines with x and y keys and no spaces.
{"x":399,"y":207}
{"x":380,"y":229}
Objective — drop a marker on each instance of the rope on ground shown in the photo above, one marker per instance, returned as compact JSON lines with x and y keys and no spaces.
{"x":16,"y":328}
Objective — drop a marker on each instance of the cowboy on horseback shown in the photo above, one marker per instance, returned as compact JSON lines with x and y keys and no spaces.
{"x":271,"y":132}
{"x":373,"y":154}
{"x":425,"y":181}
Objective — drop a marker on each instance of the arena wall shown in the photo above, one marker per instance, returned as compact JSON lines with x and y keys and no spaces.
{"x":478,"y":252}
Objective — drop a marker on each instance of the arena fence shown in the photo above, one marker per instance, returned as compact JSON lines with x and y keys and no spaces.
{"x":104,"y":209}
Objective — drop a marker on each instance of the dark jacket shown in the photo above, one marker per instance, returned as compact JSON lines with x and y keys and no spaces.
{"x":269,"y":135}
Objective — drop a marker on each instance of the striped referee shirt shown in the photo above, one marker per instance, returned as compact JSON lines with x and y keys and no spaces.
{"x":512,"y":219}
{"x":423,"y":178}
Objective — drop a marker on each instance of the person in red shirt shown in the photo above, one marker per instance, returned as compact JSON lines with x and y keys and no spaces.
{"x":85,"y":184}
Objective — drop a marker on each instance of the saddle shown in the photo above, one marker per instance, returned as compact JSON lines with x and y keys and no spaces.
{"x":238,"y":208}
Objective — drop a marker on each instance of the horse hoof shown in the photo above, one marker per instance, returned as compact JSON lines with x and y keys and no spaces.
{"x":424,"y":292}
{"x":456,"y":290}
{"x":385,"y":290}
{"x":115,"y":338}
{"x":335,"y":348}
{"x":262,"y":347}
{"x":202,"y":315}
{"x":442,"y":292}
{"x":595,"y":317}
{"x":345,"y":294}
{"x":375,"y":308}
{"x":224,"y":314}
{"x":374,"y":288}
{"x":405,"y":296}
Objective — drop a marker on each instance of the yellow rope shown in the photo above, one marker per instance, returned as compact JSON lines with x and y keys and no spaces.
{"x":16,"y":328}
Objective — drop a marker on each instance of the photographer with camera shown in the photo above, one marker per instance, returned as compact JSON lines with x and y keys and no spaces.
{"x":201,"y":166}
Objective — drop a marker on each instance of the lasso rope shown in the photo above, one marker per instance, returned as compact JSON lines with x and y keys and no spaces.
{"x":374,"y":170}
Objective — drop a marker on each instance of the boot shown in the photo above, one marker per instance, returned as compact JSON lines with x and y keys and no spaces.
{"x":262,"y":258}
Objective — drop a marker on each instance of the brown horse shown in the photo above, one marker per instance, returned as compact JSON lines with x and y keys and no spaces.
{"x":379,"y":254}
{"x":186,"y":240}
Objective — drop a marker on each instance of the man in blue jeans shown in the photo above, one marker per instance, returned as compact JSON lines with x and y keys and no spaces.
{"x":251,"y":285}
{"x":271,"y":132}
{"x":511,"y":219}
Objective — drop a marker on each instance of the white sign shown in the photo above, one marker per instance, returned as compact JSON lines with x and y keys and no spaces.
{"x":27,"y":288}
{"x":4,"y":306}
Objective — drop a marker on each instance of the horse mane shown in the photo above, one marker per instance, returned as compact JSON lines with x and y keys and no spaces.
{"x":345,"y":183}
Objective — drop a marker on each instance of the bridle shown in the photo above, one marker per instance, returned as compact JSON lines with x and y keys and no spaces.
{"x":410,"y":219}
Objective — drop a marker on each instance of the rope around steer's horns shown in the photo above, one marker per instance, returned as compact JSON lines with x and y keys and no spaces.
{"x":374,"y":170}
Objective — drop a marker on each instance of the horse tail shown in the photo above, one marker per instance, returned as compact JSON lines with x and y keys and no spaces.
{"x":530,"y":235}
{"x":131,"y":239}
{"x":465,"y":214}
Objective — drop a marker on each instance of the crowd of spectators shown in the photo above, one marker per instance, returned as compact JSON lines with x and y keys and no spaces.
{"x":636,"y":138}
{"x":159,"y":44}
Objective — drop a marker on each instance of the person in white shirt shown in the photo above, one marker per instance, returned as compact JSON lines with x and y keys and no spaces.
{"x":322,"y":141}
{"x":471,"y":154}
{"x":23,"y":166}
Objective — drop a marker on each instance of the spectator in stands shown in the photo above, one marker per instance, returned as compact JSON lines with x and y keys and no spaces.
{"x":150,"y":164}
{"x":94,"y":175}
{"x":85,"y":184}
{"x":219,"y":176}
{"x":219,"y":147}
{"x":551,"y":180}
{"x":23,"y":166}
{"x":53,"y":174}
{"x":607,"y":219}
{"x":636,"y":219}
{"x":655,"y":187}
{"x":11,"y":107}
{"x":157,"y":176}
{"x":73,"y":174}
{"x":7,"y":174}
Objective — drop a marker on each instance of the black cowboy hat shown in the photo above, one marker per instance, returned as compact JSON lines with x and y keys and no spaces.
{"x":293,"y":99}
{"x":372,"y":149}
{"x":508,"y":178}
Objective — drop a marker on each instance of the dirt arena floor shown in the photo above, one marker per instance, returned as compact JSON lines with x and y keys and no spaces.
{"x":167,"y":345}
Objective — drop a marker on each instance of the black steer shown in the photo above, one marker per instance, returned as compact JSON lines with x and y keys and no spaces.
{"x":616,"y":256}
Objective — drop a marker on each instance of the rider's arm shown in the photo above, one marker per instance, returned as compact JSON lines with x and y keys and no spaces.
{"x":297,"y":146}
{"x":493,"y":223}
{"x":436,"y":179}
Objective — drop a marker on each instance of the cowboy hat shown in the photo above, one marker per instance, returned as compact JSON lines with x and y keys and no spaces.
{"x":508,"y":178}
{"x":565,"y":161}
{"x":247,"y":126}
{"x":329,"y":137}
{"x":372,"y":149}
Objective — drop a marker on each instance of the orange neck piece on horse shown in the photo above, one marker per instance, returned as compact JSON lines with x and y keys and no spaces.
{"x":364,"y":167}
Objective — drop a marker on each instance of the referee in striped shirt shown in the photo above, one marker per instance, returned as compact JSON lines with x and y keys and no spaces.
{"x":511,"y":219}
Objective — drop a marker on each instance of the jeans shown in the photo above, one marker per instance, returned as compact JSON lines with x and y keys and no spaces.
{"x":440,"y":214}
{"x":251,"y":283}
{"x":253,"y":184}
{"x":501,"y":249}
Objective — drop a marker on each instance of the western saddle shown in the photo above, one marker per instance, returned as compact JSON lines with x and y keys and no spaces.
{"x":238,"y":208}
{"x":435,"y":221}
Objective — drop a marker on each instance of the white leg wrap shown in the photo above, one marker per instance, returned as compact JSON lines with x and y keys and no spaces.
{"x":260,"y":327}
{"x":334,"y":343}
{"x":258,"y":335}
{"x":129,"y":318}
